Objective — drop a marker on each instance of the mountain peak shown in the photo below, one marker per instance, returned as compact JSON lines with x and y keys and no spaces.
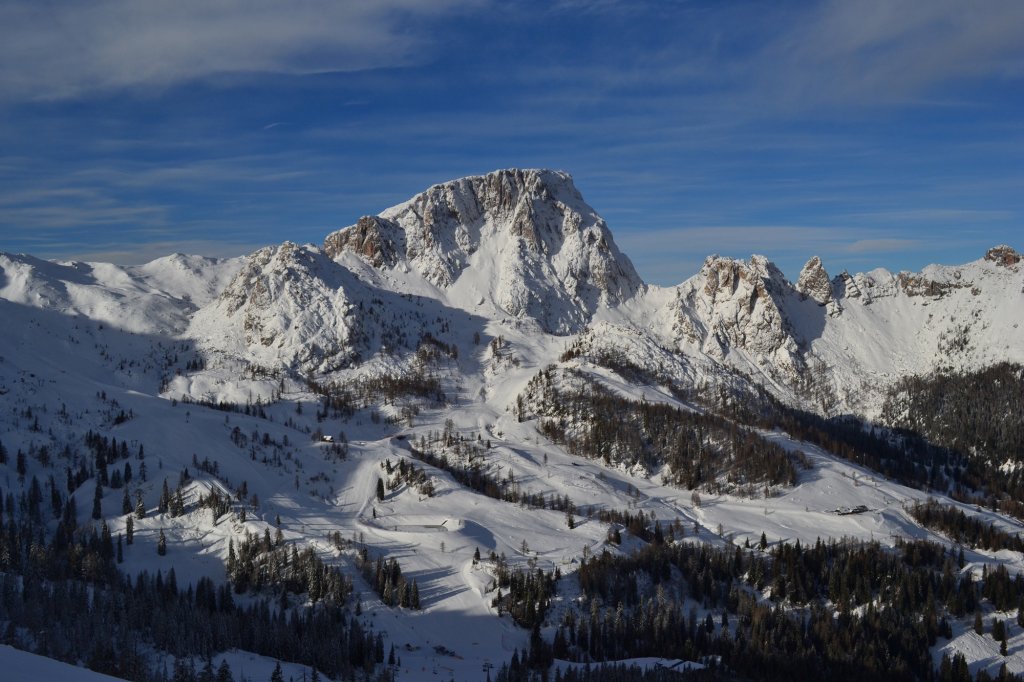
{"x":524,"y":240}
{"x":814,"y":282}
{"x":1003,"y":255}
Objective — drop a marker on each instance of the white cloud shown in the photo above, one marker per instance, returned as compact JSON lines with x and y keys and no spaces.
{"x":889,"y":51}
{"x":53,"y":50}
{"x":136,"y":254}
{"x":882,"y":245}
{"x":670,"y":255}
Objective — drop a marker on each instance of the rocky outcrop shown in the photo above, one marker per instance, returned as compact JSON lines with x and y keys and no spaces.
{"x":735,"y":305}
{"x":849,"y":285}
{"x":372,"y":238}
{"x":1003,"y":255}
{"x":918,"y":284}
{"x":814,"y":282}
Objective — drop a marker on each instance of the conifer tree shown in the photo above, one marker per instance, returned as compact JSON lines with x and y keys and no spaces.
{"x":223,"y":670}
{"x":97,"y":500}
{"x":165,"y":496}
{"x":126,"y":503}
{"x":177,"y":504}
{"x":106,"y":542}
{"x":161,"y":544}
{"x":129,"y":529}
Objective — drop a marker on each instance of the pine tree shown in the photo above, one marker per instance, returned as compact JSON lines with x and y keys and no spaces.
{"x":97,"y":501}
{"x":161,"y":544}
{"x":126,"y":503}
{"x":140,"y":506}
{"x":177,"y":504}
{"x":277,"y":675}
{"x":106,"y":542}
{"x":224,"y":671}
{"x":129,"y":529}
{"x":998,"y":630}
{"x":380,"y":490}
{"x":120,"y":549}
{"x":165,"y":496}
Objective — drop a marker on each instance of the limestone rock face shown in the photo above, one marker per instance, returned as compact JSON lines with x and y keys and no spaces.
{"x":814,"y":282}
{"x":735,"y":305}
{"x":1003,"y":255}
{"x":372,"y":238}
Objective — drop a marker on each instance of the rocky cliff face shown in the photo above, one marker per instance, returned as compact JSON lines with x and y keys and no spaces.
{"x":1003,"y":255}
{"x":815,"y":284}
{"x":732,"y":306}
{"x":522,"y":239}
{"x":372,"y":238}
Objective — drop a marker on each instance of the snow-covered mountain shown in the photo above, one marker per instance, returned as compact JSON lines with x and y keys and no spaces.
{"x":490,"y":323}
{"x":523,"y":243}
{"x":158,"y":297}
{"x":853,"y":334}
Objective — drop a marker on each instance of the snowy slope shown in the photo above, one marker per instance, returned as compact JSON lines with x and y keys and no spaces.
{"x":21,"y":666}
{"x":158,"y":297}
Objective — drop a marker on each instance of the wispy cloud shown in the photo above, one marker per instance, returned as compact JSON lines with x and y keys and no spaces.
{"x":668,"y":256}
{"x":135,"y":254}
{"x":888,"y":51}
{"x":59,"y":50}
{"x":882,"y":245}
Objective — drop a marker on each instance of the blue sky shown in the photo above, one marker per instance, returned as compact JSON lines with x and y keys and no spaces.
{"x":872,"y":133}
